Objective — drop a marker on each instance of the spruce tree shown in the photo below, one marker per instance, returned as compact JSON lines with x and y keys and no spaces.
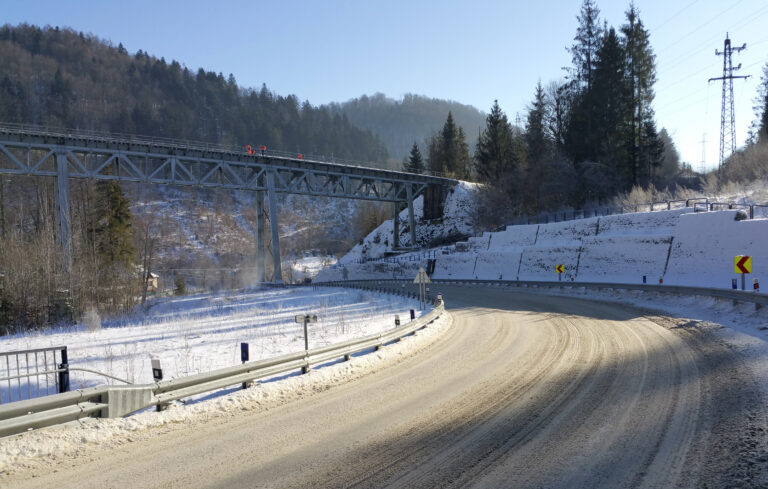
{"x":113,"y":230}
{"x":611,"y":106}
{"x":641,"y":76}
{"x":464,"y":160}
{"x":494,"y":156}
{"x":449,"y":152}
{"x":587,"y":43}
{"x":538,"y":149}
{"x":581,"y":140}
{"x":536,"y":139}
{"x":414,"y":163}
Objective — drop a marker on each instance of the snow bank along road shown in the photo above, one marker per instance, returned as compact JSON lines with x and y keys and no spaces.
{"x":523,"y":390}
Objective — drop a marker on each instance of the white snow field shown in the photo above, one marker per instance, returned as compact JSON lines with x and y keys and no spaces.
{"x":678,"y":247}
{"x":203,"y":332}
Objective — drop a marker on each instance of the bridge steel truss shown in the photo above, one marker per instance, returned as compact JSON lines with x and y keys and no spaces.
{"x":63,"y":156}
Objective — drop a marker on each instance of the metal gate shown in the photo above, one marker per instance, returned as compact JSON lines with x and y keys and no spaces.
{"x":26,"y":374}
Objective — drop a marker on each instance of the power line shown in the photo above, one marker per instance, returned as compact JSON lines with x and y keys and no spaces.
{"x":701,"y":26}
{"x":673,"y":16}
{"x":756,"y":15}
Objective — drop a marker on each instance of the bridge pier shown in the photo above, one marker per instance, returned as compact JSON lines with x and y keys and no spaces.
{"x":63,"y":215}
{"x":411,"y":218}
{"x":277,"y":274}
{"x":396,"y":221}
{"x":260,"y":229}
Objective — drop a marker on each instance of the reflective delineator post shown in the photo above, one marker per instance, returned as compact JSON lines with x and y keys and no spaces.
{"x":244,"y":358}
{"x":306,"y":318}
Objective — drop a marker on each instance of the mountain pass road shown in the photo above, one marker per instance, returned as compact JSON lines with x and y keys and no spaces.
{"x":523,"y":390}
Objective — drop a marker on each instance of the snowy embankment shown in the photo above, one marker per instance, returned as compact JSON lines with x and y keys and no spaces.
{"x":203,"y":332}
{"x":678,"y":246}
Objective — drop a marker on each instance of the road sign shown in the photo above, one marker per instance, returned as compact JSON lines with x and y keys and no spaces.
{"x":560,"y":268}
{"x":157,"y":370}
{"x":421,"y":277}
{"x":742,"y":264}
{"x":301,"y":318}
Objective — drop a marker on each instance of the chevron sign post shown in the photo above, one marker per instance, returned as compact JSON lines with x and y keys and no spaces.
{"x":742,"y":264}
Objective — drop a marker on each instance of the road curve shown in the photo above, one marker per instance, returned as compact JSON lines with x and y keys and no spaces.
{"x":523,"y":391}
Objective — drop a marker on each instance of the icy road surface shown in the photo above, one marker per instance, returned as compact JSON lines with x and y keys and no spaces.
{"x":522,"y":391}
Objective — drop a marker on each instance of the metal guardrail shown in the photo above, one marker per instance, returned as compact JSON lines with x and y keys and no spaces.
{"x":699,"y":204}
{"x":760,"y":299}
{"x":117,"y":401}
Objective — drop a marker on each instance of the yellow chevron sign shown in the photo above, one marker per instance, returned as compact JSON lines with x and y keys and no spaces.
{"x":560,"y":268}
{"x":742,"y":264}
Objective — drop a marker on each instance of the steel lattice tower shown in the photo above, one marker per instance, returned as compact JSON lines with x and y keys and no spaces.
{"x":727,"y":117}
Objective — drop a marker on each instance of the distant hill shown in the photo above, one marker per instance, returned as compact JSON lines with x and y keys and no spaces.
{"x":398,"y":123}
{"x":62,"y":78}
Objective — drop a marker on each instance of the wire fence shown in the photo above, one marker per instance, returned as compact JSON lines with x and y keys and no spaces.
{"x":699,"y":204}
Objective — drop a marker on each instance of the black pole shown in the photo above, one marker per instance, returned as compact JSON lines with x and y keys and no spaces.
{"x":64,"y":372}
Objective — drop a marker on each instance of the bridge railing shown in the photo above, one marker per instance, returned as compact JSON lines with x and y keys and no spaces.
{"x":180,"y":144}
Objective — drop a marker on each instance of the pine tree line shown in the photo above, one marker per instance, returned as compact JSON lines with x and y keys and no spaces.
{"x":585,"y":139}
{"x":61,"y":78}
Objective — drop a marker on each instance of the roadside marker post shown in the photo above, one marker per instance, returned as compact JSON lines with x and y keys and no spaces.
{"x":397,"y":320}
{"x":157,"y":370}
{"x":244,"y":358}
{"x":422,"y":279}
{"x":742,"y":264}
{"x":157,"y":374}
{"x":306,"y":318}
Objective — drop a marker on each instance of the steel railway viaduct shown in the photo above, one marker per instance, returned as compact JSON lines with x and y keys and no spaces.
{"x":65,"y":154}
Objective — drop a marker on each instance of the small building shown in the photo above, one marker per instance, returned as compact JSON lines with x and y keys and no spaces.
{"x":153,"y":282}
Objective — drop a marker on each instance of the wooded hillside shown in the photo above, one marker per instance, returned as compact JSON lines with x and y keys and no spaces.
{"x":62,"y":78}
{"x":415,"y":118}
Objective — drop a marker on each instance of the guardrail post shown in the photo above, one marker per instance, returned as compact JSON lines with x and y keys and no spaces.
{"x":64,"y":372}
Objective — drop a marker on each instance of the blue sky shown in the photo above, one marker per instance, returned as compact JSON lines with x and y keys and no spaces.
{"x":471,"y":52}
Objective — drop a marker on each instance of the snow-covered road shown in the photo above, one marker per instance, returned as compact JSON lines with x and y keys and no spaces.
{"x":524,"y":390}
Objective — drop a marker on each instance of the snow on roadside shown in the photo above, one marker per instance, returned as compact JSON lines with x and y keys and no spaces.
{"x":44,"y":447}
{"x":203,"y":332}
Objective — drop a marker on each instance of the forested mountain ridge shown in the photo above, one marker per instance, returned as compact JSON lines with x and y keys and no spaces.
{"x":415,"y":118}
{"x":58,"y":77}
